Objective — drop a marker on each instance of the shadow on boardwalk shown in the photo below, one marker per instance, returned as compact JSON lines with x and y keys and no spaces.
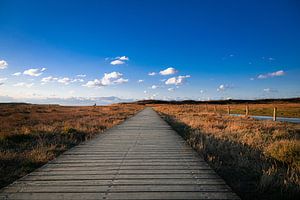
{"x":245,"y":169}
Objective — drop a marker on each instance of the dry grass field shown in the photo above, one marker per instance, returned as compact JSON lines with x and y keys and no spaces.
{"x":31,"y":135}
{"x":259,"y":159}
{"x":283,"y":109}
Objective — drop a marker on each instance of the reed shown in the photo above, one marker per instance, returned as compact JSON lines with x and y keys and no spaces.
{"x":258,"y":159}
{"x":31,"y":135}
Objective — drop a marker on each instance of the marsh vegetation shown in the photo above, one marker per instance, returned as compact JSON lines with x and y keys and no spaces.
{"x":258,"y":159}
{"x":31,"y":135}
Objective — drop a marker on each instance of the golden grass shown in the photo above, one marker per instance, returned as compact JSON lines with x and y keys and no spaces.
{"x":259,"y":159}
{"x":31,"y":135}
{"x":283,"y":109}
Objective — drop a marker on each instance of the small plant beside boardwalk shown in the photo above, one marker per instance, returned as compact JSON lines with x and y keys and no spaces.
{"x":258,"y":159}
{"x":31,"y":135}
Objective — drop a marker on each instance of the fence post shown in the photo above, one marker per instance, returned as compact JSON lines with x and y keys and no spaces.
{"x":228,"y":110}
{"x":215,"y":109}
{"x":274,"y":113}
{"x":247,"y":110}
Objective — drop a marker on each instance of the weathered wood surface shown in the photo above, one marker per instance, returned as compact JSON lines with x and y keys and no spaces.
{"x":142,"y":158}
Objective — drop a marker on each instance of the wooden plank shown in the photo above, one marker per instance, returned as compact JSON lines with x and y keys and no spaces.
{"x":119,"y":188}
{"x":172,"y":195}
{"x":170,"y":181}
{"x":124,"y":195}
{"x":130,"y":157}
{"x":113,"y":164}
{"x":53,"y":196}
{"x":125,"y":168}
{"x":125,"y":171}
{"x":130,"y":160}
{"x":112,"y":176}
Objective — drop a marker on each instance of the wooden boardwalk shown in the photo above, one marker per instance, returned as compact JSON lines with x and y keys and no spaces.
{"x":142,"y":158}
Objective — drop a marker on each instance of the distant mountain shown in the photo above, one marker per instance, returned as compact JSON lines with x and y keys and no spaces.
{"x":80,"y":101}
{"x":83,"y":101}
{"x":229,"y":101}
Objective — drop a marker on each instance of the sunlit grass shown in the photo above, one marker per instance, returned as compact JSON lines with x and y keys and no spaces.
{"x":283,"y":110}
{"x":259,"y":159}
{"x":31,"y":135}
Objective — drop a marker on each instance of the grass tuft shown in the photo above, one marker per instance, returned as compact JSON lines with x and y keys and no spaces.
{"x":258,"y":159}
{"x":31,"y":135}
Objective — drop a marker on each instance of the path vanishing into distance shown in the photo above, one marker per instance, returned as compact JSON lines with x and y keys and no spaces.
{"x":142,"y":158}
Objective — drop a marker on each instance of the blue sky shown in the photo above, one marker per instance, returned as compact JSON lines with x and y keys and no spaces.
{"x":198,"y":49}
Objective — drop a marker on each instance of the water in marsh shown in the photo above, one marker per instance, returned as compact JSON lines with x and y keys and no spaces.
{"x":281,"y":119}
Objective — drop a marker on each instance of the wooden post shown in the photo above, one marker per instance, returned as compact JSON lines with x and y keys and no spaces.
{"x":228,"y":110}
{"x":215,"y":109}
{"x":247,"y":110}
{"x":274,"y":113}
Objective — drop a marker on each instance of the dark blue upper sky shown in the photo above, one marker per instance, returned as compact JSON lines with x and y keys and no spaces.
{"x":223,"y":45}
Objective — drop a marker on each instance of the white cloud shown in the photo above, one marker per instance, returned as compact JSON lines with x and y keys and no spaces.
{"x":154,"y":87}
{"x":67,"y":80}
{"x":22,"y":84}
{"x":77,"y":80}
{"x":201,"y":91}
{"x":48,"y":79}
{"x":34,"y":72}
{"x":123,"y":58}
{"x":3,"y":79}
{"x":117,"y":62}
{"x":179,"y":80}
{"x":120,"y":81}
{"x":94,"y":83}
{"x":112,"y":78}
{"x":168,"y":71}
{"x":17,"y":74}
{"x":145,"y":92}
{"x":64,"y":80}
{"x":272,"y":74}
{"x":112,"y":75}
{"x":81,"y":75}
{"x":171,"y":89}
{"x":140,"y":81}
{"x":3,"y":64}
{"x":109,"y":78}
{"x":152,"y":73}
{"x":172,"y":80}
{"x":269,"y":90}
{"x":223,"y":87}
